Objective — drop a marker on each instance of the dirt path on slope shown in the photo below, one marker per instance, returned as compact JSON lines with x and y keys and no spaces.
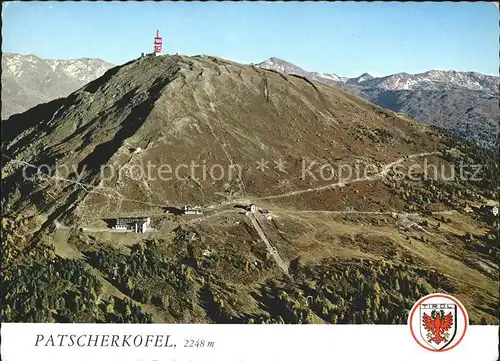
{"x":272,"y":250}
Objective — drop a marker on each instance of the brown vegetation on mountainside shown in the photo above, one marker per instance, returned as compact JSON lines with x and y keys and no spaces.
{"x":358,"y":249}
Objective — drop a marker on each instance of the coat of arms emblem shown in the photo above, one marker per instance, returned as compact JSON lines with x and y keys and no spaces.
{"x":438,"y":322}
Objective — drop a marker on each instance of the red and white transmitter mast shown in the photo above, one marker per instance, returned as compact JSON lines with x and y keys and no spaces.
{"x":158,"y":43}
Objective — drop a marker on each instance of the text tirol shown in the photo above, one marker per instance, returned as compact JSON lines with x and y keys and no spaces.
{"x":86,"y":340}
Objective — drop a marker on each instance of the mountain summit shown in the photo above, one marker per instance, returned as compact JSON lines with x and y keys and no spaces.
{"x":217,"y":109}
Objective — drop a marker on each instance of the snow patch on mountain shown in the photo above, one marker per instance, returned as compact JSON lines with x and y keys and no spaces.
{"x":28,"y":80}
{"x":436,"y":80}
{"x":16,"y":64}
{"x":84,"y":69}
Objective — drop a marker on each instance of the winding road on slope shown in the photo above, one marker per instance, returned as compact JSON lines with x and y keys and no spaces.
{"x":385,"y":170}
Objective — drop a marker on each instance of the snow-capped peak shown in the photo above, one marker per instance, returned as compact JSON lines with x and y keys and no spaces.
{"x":285,"y":67}
{"x":360,"y":79}
{"x":282,"y":66}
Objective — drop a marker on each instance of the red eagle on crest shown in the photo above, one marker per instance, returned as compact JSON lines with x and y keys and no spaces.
{"x":437,"y":324}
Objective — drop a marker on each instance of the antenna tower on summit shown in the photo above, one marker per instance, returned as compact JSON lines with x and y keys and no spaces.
{"x":158,"y":43}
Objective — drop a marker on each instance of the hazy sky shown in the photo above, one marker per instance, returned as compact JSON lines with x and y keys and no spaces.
{"x":343,"y":38}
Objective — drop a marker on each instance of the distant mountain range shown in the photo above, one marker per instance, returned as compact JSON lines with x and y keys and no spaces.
{"x":28,"y":80}
{"x":430,"y":80}
{"x":465,"y":103}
